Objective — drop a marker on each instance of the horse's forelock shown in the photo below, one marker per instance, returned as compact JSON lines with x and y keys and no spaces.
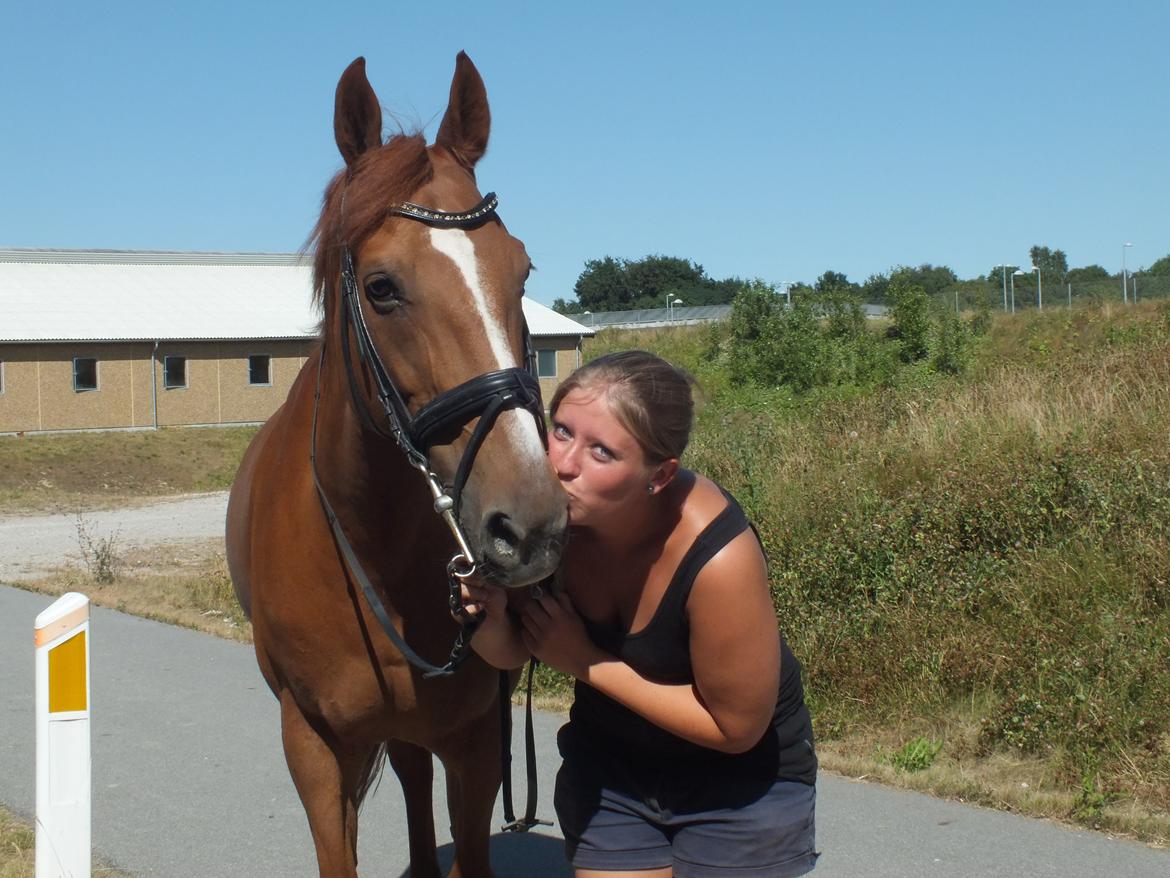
{"x":355,"y":205}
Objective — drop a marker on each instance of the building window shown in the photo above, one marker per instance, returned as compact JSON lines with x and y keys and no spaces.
{"x":260,"y":370}
{"x":85,"y":375}
{"x":546,"y":364}
{"x":174,"y":372}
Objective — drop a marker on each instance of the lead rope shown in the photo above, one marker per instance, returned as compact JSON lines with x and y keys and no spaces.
{"x":529,"y":819}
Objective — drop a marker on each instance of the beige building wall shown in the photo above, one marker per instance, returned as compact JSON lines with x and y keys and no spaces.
{"x":38,"y":389}
{"x":19,"y":403}
{"x":38,"y":392}
{"x":568,"y":359}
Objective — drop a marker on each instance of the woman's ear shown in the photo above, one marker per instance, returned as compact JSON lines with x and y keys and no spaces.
{"x":663,"y":474}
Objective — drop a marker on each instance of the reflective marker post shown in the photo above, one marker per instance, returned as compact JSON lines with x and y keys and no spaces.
{"x":63,"y":757}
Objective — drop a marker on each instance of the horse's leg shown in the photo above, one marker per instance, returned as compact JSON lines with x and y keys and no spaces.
{"x":415,"y":769}
{"x":328,"y":778}
{"x":472,"y":762}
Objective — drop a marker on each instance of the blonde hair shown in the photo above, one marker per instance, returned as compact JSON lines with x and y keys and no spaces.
{"x":650,"y":397}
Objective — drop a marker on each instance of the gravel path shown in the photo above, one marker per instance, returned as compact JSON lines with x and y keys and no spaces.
{"x":32,"y":545}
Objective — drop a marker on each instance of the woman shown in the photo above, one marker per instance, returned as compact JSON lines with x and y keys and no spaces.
{"x":689,"y":749}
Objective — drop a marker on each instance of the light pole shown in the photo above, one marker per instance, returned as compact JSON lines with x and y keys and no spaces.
{"x":786,"y":288}
{"x":1039,"y":289}
{"x":1015,"y":273}
{"x":670,"y":303}
{"x":1124,"y":274}
{"x":1005,"y":267}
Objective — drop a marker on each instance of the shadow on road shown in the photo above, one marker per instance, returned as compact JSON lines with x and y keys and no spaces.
{"x":518,"y":855}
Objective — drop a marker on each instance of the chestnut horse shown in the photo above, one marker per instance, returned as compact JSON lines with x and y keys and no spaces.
{"x":420,"y":287}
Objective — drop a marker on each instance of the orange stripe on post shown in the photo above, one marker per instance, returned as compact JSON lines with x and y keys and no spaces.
{"x":67,"y":675}
{"x":62,"y":626}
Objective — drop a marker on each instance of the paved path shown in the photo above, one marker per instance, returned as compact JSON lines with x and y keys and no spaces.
{"x":189,"y":780}
{"x":30,"y":545}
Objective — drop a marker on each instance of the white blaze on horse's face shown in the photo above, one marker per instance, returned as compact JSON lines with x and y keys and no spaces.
{"x":457,"y":246}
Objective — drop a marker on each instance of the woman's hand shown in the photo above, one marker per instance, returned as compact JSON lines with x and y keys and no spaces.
{"x":482,"y":598}
{"x":497,"y":639}
{"x":554,"y":633}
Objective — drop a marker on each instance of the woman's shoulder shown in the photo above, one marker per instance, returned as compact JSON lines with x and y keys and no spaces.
{"x":703,"y":501}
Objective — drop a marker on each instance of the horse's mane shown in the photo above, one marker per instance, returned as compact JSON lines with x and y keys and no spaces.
{"x":355,"y":205}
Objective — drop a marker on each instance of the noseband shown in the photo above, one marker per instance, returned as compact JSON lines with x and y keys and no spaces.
{"x":438,"y":422}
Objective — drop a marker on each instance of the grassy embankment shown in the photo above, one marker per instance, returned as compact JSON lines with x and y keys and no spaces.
{"x":974,"y":571}
{"x":71,"y":471}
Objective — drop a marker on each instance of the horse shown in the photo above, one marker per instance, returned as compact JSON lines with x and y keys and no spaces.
{"x":414,"y":399}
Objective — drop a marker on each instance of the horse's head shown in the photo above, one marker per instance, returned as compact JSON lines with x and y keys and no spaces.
{"x":440,"y":301}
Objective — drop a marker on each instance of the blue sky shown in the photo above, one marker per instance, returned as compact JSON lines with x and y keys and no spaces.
{"x":772,"y":140}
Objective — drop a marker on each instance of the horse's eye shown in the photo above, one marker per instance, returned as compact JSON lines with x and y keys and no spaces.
{"x":381,"y":289}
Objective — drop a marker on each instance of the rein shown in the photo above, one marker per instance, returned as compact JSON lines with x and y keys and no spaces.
{"x":485,"y":396}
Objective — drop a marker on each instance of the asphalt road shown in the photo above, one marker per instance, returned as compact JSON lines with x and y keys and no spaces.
{"x":189,"y":780}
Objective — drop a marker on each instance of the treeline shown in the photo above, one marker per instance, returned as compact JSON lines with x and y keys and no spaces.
{"x":611,"y":284}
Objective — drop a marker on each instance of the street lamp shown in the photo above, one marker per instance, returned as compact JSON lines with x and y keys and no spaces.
{"x":1124,"y":275}
{"x":786,"y":288}
{"x":1015,"y":274}
{"x":1039,"y":289}
{"x":1005,"y":267}
{"x":670,"y":303}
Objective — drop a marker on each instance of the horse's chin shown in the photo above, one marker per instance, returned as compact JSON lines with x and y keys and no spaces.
{"x":520,"y":576}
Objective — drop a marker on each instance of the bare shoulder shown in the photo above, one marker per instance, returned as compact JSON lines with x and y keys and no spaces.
{"x":702,"y":502}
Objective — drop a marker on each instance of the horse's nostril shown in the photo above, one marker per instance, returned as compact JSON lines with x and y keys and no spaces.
{"x":504,"y":538}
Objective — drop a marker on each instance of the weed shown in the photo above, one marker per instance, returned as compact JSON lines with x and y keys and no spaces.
{"x":100,"y":554}
{"x":916,"y":755}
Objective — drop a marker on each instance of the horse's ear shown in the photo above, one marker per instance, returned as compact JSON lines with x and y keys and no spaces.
{"x":465,"y":126}
{"x":357,"y":116}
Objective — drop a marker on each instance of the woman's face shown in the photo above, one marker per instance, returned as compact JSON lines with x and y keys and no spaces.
{"x":600,"y":464}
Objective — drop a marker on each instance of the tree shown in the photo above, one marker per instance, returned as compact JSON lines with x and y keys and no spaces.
{"x":1052,"y":263}
{"x":1088,"y":274}
{"x":1162,"y":266}
{"x":603,"y":286}
{"x":933,"y":279}
{"x":832,"y":280}
{"x":911,"y":314}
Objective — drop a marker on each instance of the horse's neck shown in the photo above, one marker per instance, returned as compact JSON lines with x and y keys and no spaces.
{"x":368,"y":471}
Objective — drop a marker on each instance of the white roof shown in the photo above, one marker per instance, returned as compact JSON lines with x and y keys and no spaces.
{"x":114,"y":295}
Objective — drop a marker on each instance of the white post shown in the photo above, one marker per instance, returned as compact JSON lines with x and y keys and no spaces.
{"x":61,"y":636}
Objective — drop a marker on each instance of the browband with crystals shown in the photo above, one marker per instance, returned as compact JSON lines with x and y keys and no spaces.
{"x":449,"y":219}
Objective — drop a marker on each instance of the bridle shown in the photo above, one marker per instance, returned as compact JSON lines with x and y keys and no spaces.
{"x":485,"y":396}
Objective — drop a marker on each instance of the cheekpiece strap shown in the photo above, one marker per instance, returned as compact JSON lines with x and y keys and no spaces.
{"x":449,"y":219}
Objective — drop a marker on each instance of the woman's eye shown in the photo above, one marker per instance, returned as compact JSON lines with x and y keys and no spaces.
{"x":381,"y":289}
{"x":602,"y":453}
{"x":560,"y":432}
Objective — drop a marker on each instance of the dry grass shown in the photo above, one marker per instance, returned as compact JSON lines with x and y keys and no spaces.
{"x":18,"y":851}
{"x":70,"y":471}
{"x":1021,"y":784}
{"x":183,"y":584}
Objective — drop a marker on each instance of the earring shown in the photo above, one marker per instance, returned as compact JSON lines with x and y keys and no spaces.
{"x":649,"y":489}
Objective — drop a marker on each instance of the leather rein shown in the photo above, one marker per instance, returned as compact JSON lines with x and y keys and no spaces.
{"x":484,"y":396}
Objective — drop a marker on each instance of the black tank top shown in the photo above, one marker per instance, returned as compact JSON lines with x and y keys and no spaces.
{"x":660,"y":652}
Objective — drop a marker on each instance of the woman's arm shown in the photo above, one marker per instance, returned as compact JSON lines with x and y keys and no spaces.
{"x":497,"y":640}
{"x":735,"y":654}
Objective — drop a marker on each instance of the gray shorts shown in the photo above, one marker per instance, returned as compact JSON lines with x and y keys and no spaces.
{"x":617,"y":820}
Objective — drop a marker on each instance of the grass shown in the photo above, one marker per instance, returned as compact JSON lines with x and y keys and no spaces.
{"x":974,"y":569}
{"x":184,"y":584}
{"x":18,"y":851}
{"x":64,"y":472}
